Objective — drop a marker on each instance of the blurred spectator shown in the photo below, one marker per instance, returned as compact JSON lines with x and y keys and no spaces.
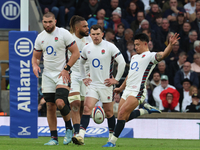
{"x":131,"y":12}
{"x":193,"y":90}
{"x":151,"y":47}
{"x":162,"y":68}
{"x":174,"y":55}
{"x":139,"y":4}
{"x":189,"y":42}
{"x":177,"y":25}
{"x":195,"y":105}
{"x":49,"y":6}
{"x":161,"y":34}
{"x":195,"y":66}
{"x":172,"y":12}
{"x":158,"y":22}
{"x":109,"y":35}
{"x":190,"y":8}
{"x":66,"y":9}
{"x":196,"y":22}
{"x":152,"y":13}
{"x":137,"y":23}
{"x":100,"y":15}
{"x":110,"y":8}
{"x":166,"y":4}
{"x":130,"y":49}
{"x":185,"y":98}
{"x":122,"y":43}
{"x":170,"y":99}
{"x":155,"y":81}
{"x":116,"y":19}
{"x":101,"y":23}
{"x":195,"y":50}
{"x":159,"y":89}
{"x":176,"y":65}
{"x":194,"y":15}
{"x":184,"y":33}
{"x":120,"y":31}
{"x":87,"y":10}
{"x":186,"y":72}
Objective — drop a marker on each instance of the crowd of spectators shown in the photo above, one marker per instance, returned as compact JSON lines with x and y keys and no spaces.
{"x":122,"y":19}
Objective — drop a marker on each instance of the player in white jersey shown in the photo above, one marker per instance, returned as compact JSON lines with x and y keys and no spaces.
{"x":52,"y":43}
{"x":79,"y":29}
{"x":140,"y":68}
{"x":100,"y":55}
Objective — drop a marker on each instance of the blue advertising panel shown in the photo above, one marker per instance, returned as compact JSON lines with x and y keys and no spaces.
{"x":10,"y":14}
{"x":23,"y":85}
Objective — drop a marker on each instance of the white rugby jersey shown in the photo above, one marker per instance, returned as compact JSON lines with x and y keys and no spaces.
{"x":54,"y":45}
{"x":100,"y":58}
{"x":141,"y":66}
{"x":80,"y":43}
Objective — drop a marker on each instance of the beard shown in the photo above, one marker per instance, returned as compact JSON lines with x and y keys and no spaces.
{"x":49,"y":30}
{"x":83,"y":33}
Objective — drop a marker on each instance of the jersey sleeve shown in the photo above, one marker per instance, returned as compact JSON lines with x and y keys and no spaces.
{"x":68,"y":38}
{"x":37,"y":46}
{"x":114,"y":51}
{"x":153,"y":57}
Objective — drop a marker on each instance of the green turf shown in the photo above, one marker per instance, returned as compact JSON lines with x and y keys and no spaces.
{"x":7,"y":143}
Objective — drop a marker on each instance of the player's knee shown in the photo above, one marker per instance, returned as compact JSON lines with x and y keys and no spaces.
{"x":65,"y":110}
{"x":60,"y":104}
{"x":87,"y":110}
{"x":50,"y":106}
{"x":75,"y":106}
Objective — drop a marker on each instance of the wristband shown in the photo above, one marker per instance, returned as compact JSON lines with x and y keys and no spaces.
{"x":67,"y":68}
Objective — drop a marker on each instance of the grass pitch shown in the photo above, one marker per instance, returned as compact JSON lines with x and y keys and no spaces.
{"x":7,"y":143}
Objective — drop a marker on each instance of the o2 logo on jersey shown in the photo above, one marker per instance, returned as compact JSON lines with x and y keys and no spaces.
{"x":96,"y":63}
{"x":23,"y":47}
{"x":10,"y":10}
{"x":50,"y":50}
{"x":134,"y":66}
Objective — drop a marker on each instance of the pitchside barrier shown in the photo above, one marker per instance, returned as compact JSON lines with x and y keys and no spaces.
{"x":23,"y":85}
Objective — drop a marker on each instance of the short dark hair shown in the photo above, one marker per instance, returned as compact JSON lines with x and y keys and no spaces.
{"x":73,"y":21}
{"x":96,"y":27}
{"x":120,"y":24}
{"x":110,"y":30}
{"x":49,"y":14}
{"x":142,"y":37}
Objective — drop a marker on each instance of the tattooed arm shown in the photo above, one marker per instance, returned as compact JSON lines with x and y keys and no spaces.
{"x":162,"y":55}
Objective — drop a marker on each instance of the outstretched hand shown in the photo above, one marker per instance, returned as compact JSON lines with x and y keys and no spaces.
{"x":173,"y":39}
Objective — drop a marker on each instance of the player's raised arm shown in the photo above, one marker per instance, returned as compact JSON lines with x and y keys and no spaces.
{"x":162,"y":55}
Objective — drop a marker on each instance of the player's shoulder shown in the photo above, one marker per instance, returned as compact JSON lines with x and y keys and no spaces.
{"x":62,"y":30}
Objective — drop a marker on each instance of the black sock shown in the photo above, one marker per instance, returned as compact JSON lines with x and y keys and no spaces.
{"x":68,"y":124}
{"x":119,"y":127}
{"x":76,"y":128}
{"x":54,"y":135}
{"x":85,"y":119}
{"x":134,"y":114}
{"x":111,"y":124}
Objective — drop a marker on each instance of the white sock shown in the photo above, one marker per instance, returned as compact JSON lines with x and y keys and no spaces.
{"x":143,"y":111}
{"x":110,"y":135}
{"x":113,"y":139}
{"x":82,"y":133}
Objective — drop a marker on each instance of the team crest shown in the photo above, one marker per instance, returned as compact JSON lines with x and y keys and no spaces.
{"x":86,"y":43}
{"x":143,"y":56}
{"x":56,"y":39}
{"x":108,"y":97}
{"x":88,"y":52}
{"x":42,"y":42}
{"x":102,"y":51}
